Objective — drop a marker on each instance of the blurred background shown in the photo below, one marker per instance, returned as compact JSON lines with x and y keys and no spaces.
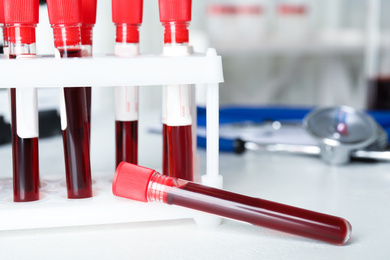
{"x":299,"y":52}
{"x":274,"y":52}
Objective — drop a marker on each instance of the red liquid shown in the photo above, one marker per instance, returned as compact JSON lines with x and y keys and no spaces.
{"x":70,"y":52}
{"x":76,"y":137}
{"x":261,"y":212}
{"x":76,"y":144}
{"x":89,"y":107}
{"x":180,"y":152}
{"x":379,"y":93}
{"x":165,"y":169}
{"x":77,"y":53}
{"x":126,"y":138}
{"x":25,"y":161}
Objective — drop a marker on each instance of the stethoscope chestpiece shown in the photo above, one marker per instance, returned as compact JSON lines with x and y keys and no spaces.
{"x":342,"y":130}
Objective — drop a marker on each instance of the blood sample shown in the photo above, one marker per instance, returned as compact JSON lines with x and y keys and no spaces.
{"x":127,"y":16}
{"x":126,"y":137}
{"x":65,"y":18}
{"x":179,"y":139}
{"x":165,"y":164}
{"x":377,"y":59}
{"x":175,"y":17}
{"x":379,"y":93}
{"x":143,"y":184}
{"x":21,"y":18}
{"x":89,"y":20}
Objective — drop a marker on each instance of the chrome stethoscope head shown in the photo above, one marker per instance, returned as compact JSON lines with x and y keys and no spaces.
{"x":341,"y":131}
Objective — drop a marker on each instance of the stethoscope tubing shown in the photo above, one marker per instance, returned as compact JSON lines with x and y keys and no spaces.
{"x":258,"y":115}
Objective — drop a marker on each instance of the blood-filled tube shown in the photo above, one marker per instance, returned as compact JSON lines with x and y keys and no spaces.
{"x":21,"y":18}
{"x":127,"y":16}
{"x":65,"y":18}
{"x":146,"y":185}
{"x":377,"y":58}
{"x":165,"y":166}
{"x":89,"y":20}
{"x":175,"y":17}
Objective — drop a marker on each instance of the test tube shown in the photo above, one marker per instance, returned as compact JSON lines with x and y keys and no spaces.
{"x":65,"y":18}
{"x":177,"y":122}
{"x":21,"y":18}
{"x":292,"y":19}
{"x":89,"y":20}
{"x":146,"y":185}
{"x":164,"y":132}
{"x":377,"y":58}
{"x":127,"y":16}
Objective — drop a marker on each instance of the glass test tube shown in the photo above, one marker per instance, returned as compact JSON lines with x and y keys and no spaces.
{"x":89,"y":20}
{"x":165,"y":167}
{"x":127,"y":16}
{"x":377,"y":58}
{"x":177,"y":118}
{"x":65,"y":18}
{"x":21,"y":18}
{"x":146,"y":185}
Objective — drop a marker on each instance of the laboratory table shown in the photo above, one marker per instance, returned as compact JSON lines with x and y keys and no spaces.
{"x":359,"y":192}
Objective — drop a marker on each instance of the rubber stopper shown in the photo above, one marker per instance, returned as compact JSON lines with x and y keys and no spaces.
{"x":127,"y":11}
{"x":88,"y":8}
{"x":131,"y":181}
{"x":175,"y":10}
{"x":63,"y":12}
{"x":21,"y":34}
{"x":292,"y":9}
{"x":2,"y":12}
{"x":22,"y":11}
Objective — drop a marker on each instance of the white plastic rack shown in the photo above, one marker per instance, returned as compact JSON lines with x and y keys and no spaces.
{"x":54,"y":209}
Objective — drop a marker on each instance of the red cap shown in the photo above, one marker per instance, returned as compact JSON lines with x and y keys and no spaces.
{"x":89,"y":11}
{"x":127,"y":33}
{"x":21,"y":11}
{"x":222,"y":9}
{"x":131,"y":181}
{"x":2,"y":11}
{"x":249,"y":9}
{"x":89,"y":19}
{"x":175,"y":15}
{"x":127,"y":11}
{"x":21,"y":34}
{"x":64,"y":11}
{"x":24,"y":12}
{"x":292,"y":9}
{"x":175,"y":10}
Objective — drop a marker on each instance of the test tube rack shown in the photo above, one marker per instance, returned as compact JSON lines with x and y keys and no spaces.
{"x":54,"y":209}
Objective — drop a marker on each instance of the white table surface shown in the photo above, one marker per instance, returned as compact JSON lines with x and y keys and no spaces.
{"x":359,"y":192}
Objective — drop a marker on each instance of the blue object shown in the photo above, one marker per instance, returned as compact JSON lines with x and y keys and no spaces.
{"x":257,"y":115}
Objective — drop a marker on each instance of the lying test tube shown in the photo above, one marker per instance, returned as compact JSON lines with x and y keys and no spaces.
{"x":144,"y":184}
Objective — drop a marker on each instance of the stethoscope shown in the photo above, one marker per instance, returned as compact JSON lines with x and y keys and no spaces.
{"x":341,"y":133}
{"x":344,"y":133}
